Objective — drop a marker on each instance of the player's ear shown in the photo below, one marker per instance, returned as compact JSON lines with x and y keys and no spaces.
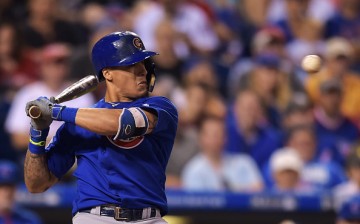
{"x":107,"y":74}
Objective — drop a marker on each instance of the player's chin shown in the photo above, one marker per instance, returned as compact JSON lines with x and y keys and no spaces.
{"x":142,"y":92}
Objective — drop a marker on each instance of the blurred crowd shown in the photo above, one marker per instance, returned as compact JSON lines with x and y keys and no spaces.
{"x":250,"y":119}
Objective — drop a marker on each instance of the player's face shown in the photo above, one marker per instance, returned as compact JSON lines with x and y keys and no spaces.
{"x":130,"y":81}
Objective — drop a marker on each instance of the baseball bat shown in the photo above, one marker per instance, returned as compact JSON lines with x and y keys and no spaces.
{"x":77,"y":89}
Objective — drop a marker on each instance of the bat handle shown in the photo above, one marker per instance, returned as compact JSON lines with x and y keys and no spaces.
{"x":34,"y":112}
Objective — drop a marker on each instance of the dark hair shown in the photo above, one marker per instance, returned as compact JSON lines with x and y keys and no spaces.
{"x":299,"y":103}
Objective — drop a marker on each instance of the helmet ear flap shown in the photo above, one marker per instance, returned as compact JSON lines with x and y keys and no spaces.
{"x":150,"y":76}
{"x":152,"y":83}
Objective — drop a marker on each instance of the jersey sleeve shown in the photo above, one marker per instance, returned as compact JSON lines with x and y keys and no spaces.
{"x":60,"y":151}
{"x":166,"y":113}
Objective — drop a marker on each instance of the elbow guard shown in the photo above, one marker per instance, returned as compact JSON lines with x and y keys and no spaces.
{"x":133,"y":122}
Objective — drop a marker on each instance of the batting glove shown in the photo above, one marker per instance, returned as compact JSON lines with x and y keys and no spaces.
{"x":44,"y":121}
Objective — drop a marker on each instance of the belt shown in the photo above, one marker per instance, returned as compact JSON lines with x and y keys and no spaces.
{"x":123,"y":214}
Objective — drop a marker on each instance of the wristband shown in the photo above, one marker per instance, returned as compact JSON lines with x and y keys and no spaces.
{"x":63,"y":113}
{"x":37,"y":140}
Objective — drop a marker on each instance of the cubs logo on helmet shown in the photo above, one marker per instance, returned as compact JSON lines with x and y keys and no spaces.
{"x":126,"y":144}
{"x":138,"y":44}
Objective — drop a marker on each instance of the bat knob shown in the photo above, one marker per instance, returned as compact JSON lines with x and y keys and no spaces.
{"x":53,"y":100}
{"x":34,"y":112}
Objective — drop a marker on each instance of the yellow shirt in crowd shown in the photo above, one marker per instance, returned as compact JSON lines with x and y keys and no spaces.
{"x":351,"y":91}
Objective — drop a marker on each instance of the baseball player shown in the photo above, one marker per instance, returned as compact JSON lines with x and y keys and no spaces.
{"x":122,"y":144}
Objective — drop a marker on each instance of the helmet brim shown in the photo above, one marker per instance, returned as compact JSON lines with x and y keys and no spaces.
{"x":131,"y":60}
{"x":137,"y":57}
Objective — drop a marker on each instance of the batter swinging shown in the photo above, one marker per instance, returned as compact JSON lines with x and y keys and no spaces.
{"x":122,"y":144}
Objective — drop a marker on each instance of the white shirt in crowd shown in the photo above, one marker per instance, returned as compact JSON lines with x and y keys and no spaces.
{"x":238,"y":173}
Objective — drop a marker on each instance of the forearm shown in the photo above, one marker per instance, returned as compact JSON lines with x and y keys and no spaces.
{"x":38,"y":178}
{"x":101,"y":121}
{"x":106,"y":121}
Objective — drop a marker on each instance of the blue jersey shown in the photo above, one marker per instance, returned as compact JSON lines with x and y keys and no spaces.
{"x":266,"y":141}
{"x":338,"y":25}
{"x":128,"y":173}
{"x":338,"y":141}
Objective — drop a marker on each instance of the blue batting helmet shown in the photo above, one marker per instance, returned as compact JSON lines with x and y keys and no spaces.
{"x":122,"y":49}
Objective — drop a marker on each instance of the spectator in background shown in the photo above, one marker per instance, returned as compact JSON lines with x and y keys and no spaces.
{"x":169,"y":67}
{"x":338,"y":57}
{"x":332,"y":127}
{"x":308,"y":41}
{"x":95,"y":17}
{"x":191,"y":110}
{"x":295,"y":17}
{"x":286,"y":168}
{"x":346,"y":190}
{"x":320,"y":174}
{"x":234,"y":31}
{"x":316,"y":173}
{"x":350,"y":211}
{"x":9,"y":212}
{"x":54,"y":69}
{"x":190,"y":22}
{"x":255,"y":11}
{"x":346,"y":23}
{"x":97,"y":21}
{"x":299,"y":111}
{"x":270,"y":39}
{"x":267,"y":41}
{"x":17,"y":67}
{"x":199,"y":98}
{"x":80,"y":62}
{"x":247,"y":131}
{"x":270,"y":84}
{"x":212,"y":170}
{"x":199,"y":76}
{"x":199,"y":70}
{"x":167,"y":62}
{"x":205,"y":71}
{"x":277,"y":10}
{"x":43,"y":27}
{"x":199,"y":101}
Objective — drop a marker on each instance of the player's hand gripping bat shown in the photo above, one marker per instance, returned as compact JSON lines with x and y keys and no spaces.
{"x":79,"y":88}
